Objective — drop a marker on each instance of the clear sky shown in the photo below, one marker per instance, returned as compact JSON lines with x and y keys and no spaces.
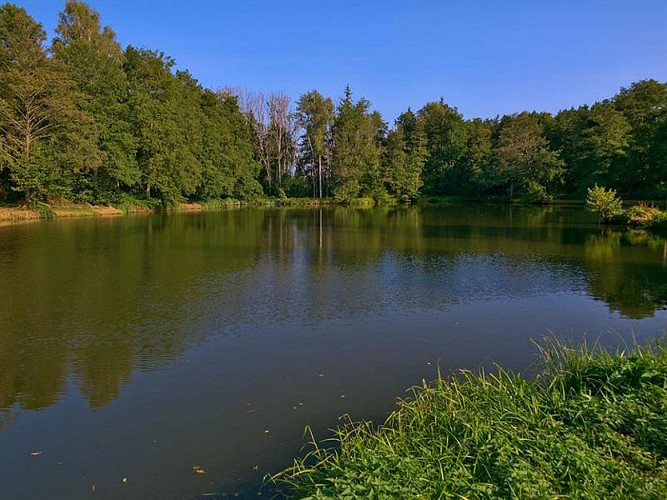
{"x":484,"y":57}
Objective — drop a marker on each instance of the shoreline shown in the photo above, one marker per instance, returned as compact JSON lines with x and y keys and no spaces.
{"x":10,"y":215}
{"x":17,"y":214}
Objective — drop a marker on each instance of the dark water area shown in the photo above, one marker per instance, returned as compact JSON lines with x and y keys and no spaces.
{"x":135,"y":349}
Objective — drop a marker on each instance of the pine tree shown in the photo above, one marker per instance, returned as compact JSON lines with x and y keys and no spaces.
{"x":404,"y":157}
{"x":356,"y":153}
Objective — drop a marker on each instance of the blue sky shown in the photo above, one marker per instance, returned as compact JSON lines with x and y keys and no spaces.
{"x":484,"y":57}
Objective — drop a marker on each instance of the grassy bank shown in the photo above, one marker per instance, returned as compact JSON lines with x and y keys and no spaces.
{"x":130,"y":205}
{"x":44,"y":211}
{"x":592,"y":425}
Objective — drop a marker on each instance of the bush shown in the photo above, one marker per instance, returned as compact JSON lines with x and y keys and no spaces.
{"x":658,"y":221}
{"x":604,"y":202}
{"x":641,"y":215}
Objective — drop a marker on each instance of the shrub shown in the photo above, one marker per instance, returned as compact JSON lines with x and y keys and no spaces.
{"x":604,"y":202}
{"x":641,"y":215}
{"x":658,"y":221}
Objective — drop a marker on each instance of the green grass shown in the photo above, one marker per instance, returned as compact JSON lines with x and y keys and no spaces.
{"x":591,"y":425}
{"x":216,"y":204}
{"x":304,"y":202}
{"x":130,"y":204}
{"x":361,"y":202}
{"x":45,"y":211}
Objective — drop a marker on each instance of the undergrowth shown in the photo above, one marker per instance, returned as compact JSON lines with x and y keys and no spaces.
{"x":212,"y":205}
{"x":592,"y":425}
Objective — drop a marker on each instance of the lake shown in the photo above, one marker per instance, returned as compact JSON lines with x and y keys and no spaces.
{"x":134,"y":350}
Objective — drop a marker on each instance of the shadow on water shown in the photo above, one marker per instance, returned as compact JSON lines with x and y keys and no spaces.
{"x":151,"y":344}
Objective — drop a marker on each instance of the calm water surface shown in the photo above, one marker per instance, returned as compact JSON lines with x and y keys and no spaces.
{"x":142,"y":347}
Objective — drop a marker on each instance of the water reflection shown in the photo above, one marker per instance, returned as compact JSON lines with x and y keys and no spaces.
{"x":152,"y":344}
{"x":94,"y":300}
{"x":89,"y":302}
{"x":628,"y":285}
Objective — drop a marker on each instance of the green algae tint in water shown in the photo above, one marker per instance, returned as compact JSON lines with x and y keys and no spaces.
{"x":135,"y":350}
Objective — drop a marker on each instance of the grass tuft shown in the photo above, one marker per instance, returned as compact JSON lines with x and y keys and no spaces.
{"x":592,"y":425}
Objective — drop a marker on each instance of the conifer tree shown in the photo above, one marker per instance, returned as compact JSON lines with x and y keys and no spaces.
{"x":356,"y":153}
{"x":404,"y":157}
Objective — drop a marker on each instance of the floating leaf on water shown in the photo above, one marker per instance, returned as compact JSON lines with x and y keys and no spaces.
{"x":198,"y":469}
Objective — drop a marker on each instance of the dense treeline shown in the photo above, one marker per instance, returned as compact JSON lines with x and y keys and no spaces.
{"x":83,"y":120}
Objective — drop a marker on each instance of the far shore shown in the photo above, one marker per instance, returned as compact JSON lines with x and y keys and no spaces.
{"x":20,"y":214}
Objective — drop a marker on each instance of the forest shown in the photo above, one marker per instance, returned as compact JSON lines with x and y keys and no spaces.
{"x":84,"y":120}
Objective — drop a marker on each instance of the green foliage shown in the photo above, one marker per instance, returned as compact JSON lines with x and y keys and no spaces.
{"x":524,"y":164}
{"x":404,"y":157}
{"x":46,"y":142}
{"x":604,"y":142}
{"x":658,"y":221}
{"x":85,"y":120}
{"x":446,"y":137}
{"x":356,"y":152}
{"x":604,"y":202}
{"x":645,"y":215}
{"x":95,"y":62}
{"x":478,"y":155}
{"x":218,"y":204}
{"x":639,"y":215}
{"x":592,"y":425}
{"x":228,"y":165}
{"x":644,"y":106}
{"x":316,"y":115}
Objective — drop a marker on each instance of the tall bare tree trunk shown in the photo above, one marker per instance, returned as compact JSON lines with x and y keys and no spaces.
{"x":319,"y":176}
